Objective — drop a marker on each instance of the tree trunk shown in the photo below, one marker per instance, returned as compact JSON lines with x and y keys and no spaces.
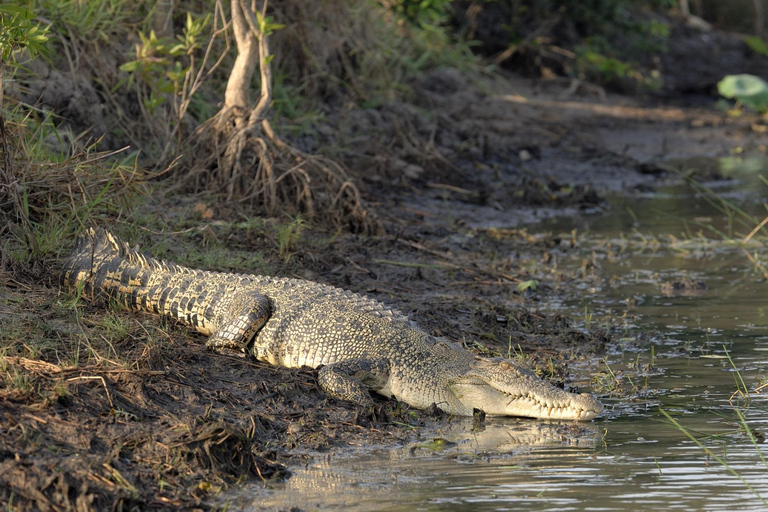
{"x":759,"y":21}
{"x":236,"y":95}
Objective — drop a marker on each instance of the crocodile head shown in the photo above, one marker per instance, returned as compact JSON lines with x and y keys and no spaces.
{"x":501,"y":387}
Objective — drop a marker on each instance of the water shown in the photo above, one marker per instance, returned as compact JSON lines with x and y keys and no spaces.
{"x":631,"y":457}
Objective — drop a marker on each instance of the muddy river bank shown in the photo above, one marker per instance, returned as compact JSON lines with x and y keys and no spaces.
{"x":140,"y":415}
{"x":683,"y":378}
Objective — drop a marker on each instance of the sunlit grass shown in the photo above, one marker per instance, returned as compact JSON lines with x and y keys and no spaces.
{"x":743,"y":430}
{"x":722,"y":460}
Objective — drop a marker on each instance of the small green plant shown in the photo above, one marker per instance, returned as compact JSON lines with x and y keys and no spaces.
{"x":723,"y":460}
{"x":419,"y":12}
{"x":288,"y":236}
{"x":297,"y":112}
{"x":609,"y":69}
{"x":736,"y":216}
{"x":20,"y":30}
{"x":741,"y":387}
{"x":397,"y":52}
{"x":162,"y":64}
{"x":92,"y":21}
{"x":609,"y":382}
{"x":757,"y":45}
{"x":167,"y":73}
{"x":515,"y":353}
{"x":594,"y":65}
{"x":748,"y":90}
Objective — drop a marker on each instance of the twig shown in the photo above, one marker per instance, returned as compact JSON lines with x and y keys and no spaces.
{"x":96,"y":377}
{"x":8,"y":171}
{"x":33,"y":365}
{"x":440,"y":266}
{"x":543,"y":29}
{"x":756,"y":263}
{"x":754,"y":231}
{"x":451,"y":188}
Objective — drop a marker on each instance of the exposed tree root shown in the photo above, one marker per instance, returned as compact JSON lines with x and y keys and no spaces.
{"x":253,"y":166}
{"x":245,"y":161}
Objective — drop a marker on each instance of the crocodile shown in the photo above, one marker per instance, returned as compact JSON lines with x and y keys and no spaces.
{"x":358,"y":345}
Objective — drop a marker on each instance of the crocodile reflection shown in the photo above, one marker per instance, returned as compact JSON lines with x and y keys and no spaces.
{"x":365,"y":481}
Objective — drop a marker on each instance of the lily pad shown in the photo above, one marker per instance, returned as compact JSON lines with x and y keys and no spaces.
{"x":750,"y":90}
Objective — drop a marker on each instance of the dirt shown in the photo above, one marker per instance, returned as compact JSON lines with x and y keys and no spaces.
{"x":178,"y":424}
{"x":160,"y":423}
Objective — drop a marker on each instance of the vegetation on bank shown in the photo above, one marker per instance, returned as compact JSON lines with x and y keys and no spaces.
{"x":163,"y":78}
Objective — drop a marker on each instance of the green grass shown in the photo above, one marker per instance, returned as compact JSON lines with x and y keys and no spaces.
{"x":221,"y":245}
{"x":289,"y":235}
{"x":743,"y":431}
{"x":722,"y":459}
{"x":92,"y":21}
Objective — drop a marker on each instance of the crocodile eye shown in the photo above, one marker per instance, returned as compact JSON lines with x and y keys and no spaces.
{"x":505,"y":365}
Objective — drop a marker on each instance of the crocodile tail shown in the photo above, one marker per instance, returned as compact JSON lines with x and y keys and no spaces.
{"x":111,"y":244}
{"x":98,"y":244}
{"x":97,"y":250}
{"x":94,"y":245}
{"x":83,"y":257}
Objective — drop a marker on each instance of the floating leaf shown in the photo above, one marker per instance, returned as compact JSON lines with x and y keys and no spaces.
{"x":750,"y":90}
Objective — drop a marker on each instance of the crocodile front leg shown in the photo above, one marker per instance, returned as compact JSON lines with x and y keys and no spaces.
{"x":354,"y":379}
{"x":236,"y":332}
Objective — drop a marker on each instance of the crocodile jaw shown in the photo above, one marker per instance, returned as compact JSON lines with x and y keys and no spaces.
{"x":500,"y":387}
{"x":581,"y":407}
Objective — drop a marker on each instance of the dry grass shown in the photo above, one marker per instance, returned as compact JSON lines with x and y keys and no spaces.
{"x":46,"y":196}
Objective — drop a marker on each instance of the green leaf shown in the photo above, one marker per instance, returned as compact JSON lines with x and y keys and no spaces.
{"x":177,"y":50}
{"x":531,"y":284}
{"x":21,"y":13}
{"x":750,"y":90}
{"x":757,"y":45}
{"x":166,"y":87}
{"x":177,"y":74}
{"x":19,"y":30}
{"x":130,"y":67}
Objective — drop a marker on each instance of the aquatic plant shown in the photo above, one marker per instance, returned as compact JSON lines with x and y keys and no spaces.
{"x":744,"y":429}
{"x":722,"y":460}
{"x":748,"y":90}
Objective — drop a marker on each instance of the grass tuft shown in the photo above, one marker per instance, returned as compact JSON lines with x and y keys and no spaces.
{"x":47,"y":196}
{"x":723,"y":460}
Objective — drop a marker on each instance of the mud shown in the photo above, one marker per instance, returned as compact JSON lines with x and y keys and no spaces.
{"x":153,"y":421}
{"x":177,"y":424}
